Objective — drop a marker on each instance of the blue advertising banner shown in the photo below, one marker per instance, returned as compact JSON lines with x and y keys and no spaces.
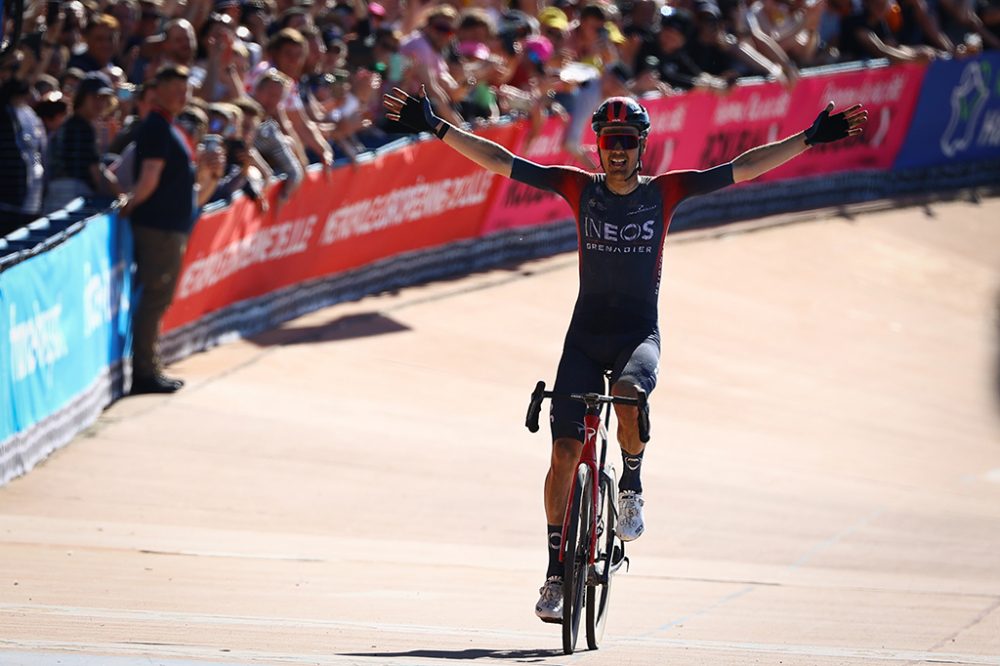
{"x":958,"y":114}
{"x":64,"y":319}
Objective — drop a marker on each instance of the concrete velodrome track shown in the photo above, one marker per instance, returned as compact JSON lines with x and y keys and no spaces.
{"x":823,"y":485}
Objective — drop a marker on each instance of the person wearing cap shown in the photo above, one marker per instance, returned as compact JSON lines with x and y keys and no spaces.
{"x":74,"y":163}
{"x":622,"y":220}
{"x":721,"y":54}
{"x":676,"y":66}
{"x":255,"y":16}
{"x":230,"y":8}
{"x":554,"y":25}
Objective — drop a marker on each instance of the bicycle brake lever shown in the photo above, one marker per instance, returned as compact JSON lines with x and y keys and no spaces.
{"x":534,"y":407}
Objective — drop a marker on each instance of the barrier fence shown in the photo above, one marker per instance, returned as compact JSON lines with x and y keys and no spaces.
{"x":420,"y":212}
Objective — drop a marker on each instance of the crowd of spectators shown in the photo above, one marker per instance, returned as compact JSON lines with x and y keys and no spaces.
{"x":167,"y":105}
{"x":278,"y":84}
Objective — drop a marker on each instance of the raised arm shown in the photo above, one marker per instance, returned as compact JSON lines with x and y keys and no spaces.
{"x":417,"y":114}
{"x":826,"y":128}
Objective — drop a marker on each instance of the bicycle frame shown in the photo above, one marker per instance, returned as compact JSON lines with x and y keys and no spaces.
{"x":582,"y":580}
{"x":593,"y":429}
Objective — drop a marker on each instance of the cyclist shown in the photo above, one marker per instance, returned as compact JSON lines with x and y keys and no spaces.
{"x":622,"y":219}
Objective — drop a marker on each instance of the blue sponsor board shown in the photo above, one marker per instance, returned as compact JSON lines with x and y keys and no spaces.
{"x":958,"y":114}
{"x":64,"y":320}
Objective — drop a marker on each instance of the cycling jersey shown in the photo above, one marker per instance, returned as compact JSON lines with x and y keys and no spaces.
{"x":620,"y":237}
{"x":614,"y":326}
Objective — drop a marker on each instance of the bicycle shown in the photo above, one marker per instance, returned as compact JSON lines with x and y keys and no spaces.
{"x":591,"y":550}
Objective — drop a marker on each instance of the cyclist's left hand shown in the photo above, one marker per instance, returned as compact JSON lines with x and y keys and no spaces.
{"x":827,"y":128}
{"x":414,"y":112}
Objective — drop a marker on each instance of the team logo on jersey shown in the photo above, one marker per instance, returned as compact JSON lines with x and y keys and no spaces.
{"x":628,"y":233}
{"x":631,"y":238}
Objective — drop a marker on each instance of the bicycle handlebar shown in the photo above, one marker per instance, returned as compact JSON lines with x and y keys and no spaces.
{"x":591,"y":400}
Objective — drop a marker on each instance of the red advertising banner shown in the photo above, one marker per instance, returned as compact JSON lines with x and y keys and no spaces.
{"x":425,"y":195}
{"x":699,"y":130}
{"x":517,"y":204}
{"x":419,"y":196}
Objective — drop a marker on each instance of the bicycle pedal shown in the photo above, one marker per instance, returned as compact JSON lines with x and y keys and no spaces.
{"x":618,"y":557}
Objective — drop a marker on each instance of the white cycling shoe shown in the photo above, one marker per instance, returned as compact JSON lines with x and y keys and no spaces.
{"x":630,"y":524}
{"x":550,"y":605}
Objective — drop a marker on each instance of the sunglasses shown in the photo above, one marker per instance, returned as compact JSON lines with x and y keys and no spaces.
{"x":618,"y":141}
{"x":443,"y":28}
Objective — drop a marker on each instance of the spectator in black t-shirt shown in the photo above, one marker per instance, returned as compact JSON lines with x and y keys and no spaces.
{"x":74,"y":165}
{"x":101,"y":36}
{"x":866,"y":34}
{"x":677,"y":67}
{"x":22,"y":144}
{"x":162,"y":206}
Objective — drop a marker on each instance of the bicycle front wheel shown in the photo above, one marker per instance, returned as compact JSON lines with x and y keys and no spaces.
{"x":599,"y":591}
{"x":576,"y":552}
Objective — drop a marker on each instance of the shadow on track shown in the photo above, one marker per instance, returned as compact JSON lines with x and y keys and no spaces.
{"x":468,"y":654}
{"x":349,"y":327}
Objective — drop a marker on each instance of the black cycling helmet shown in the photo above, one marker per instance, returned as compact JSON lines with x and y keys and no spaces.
{"x":622,"y":111}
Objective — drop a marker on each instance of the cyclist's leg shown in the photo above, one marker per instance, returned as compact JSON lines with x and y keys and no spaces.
{"x":577,"y":373}
{"x":639,"y":363}
{"x":637,"y":367}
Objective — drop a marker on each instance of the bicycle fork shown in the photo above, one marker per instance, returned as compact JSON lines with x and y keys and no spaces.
{"x":593,"y":429}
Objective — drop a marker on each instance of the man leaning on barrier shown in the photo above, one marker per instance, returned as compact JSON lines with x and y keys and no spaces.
{"x":163,"y":206}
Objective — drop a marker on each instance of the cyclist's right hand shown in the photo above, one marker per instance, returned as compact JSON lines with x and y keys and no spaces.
{"x":414,"y":112}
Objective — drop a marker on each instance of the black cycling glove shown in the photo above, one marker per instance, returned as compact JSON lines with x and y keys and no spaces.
{"x":827,"y":128}
{"x":418,"y":115}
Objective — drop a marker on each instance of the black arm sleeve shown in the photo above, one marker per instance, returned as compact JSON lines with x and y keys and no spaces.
{"x":564,"y":181}
{"x":709,"y":180}
{"x":533,"y":174}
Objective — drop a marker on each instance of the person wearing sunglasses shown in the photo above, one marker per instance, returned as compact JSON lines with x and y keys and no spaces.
{"x":425,"y":49}
{"x":622,"y":220}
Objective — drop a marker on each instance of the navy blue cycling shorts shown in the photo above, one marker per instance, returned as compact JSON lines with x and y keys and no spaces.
{"x":586,"y":356}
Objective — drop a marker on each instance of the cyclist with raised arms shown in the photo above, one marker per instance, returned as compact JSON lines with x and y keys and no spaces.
{"x":622,"y":220}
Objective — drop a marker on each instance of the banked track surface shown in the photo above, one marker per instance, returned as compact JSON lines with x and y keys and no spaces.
{"x":823,"y":485}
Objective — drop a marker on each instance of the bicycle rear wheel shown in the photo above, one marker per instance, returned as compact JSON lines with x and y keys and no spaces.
{"x":599,"y":588}
{"x":575,"y":555}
